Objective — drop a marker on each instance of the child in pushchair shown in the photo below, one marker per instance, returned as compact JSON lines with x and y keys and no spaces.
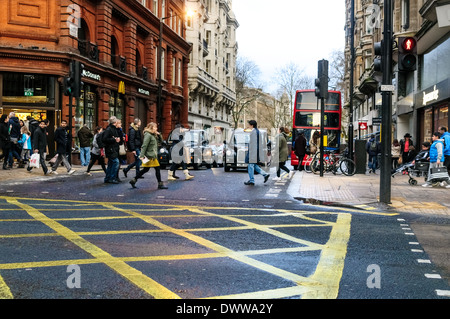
{"x":416,"y":168}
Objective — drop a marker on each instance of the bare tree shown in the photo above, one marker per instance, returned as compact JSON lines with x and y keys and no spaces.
{"x":291,"y":78}
{"x":247,"y":75}
{"x":337,"y":70}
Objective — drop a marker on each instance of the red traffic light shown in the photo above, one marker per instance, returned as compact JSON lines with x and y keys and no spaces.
{"x":409,"y":44}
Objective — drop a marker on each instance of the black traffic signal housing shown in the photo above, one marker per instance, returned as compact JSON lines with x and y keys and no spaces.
{"x":69,"y":82}
{"x":378,"y":60}
{"x":407,"y":54}
{"x":321,"y":82}
{"x":78,"y":73}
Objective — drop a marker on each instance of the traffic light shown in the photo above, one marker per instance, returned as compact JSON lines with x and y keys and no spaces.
{"x":378,"y":60}
{"x":69,"y":82}
{"x":78,"y":72}
{"x":321,"y":82}
{"x":407,"y":54}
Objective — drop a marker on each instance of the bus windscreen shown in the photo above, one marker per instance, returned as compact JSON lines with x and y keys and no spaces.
{"x":308,"y":101}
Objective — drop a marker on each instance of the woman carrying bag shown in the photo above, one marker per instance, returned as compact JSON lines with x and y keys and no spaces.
{"x":149,"y":155}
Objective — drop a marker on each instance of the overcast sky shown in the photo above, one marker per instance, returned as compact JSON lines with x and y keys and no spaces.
{"x":275,"y":33}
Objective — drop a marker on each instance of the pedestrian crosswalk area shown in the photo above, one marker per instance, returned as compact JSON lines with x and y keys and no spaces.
{"x":168,"y":251}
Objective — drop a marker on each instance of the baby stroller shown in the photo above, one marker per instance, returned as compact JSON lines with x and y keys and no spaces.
{"x":418,"y":169}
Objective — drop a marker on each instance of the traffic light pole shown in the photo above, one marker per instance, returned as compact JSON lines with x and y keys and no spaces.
{"x":352,"y":64}
{"x":386,"y":113}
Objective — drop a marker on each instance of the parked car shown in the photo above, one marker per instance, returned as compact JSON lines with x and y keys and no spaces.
{"x":236,"y":150}
{"x":196,"y":146}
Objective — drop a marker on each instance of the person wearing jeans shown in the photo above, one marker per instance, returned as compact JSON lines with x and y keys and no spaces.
{"x":112,"y":139}
{"x":253,"y":156}
{"x":84,"y":136}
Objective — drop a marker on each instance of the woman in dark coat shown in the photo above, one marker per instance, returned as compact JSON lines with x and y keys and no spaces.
{"x":300,"y":148}
{"x":5,"y":141}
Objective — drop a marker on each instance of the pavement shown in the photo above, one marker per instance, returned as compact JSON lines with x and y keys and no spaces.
{"x":360,"y":191}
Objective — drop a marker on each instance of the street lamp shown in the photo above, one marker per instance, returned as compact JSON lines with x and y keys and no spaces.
{"x":159,"y":116}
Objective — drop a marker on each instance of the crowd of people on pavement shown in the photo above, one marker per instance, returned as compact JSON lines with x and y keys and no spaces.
{"x":436,"y":153}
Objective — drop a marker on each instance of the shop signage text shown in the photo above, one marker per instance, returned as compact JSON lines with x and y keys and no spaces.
{"x":432,"y":96}
{"x":89,"y":74}
{"x":142,"y":91}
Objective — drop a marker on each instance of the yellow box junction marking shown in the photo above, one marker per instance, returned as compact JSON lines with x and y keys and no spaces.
{"x":323,"y":283}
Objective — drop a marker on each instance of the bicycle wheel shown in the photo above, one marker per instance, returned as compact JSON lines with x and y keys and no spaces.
{"x":315,"y":165}
{"x":348,"y":167}
{"x":307,"y":165}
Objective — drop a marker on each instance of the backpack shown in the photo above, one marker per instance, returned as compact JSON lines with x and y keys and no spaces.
{"x":373,"y":146}
{"x":100,"y":140}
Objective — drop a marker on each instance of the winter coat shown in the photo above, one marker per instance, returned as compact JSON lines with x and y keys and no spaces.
{"x":150,"y":145}
{"x":25,"y":141}
{"x":39,"y":141}
{"x":95,"y":149}
{"x":255,"y":148}
{"x":300,"y":147}
{"x":5,"y":141}
{"x":402,"y":145}
{"x":62,"y":140}
{"x":370,"y":151}
{"x":84,"y":136}
{"x":446,"y":138}
{"x":283,"y":151}
{"x":436,"y":151}
{"x":111,"y":146}
{"x":134,"y":138}
{"x":15,"y":127}
{"x":395,"y":151}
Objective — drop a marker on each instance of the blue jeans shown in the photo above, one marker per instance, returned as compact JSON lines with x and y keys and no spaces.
{"x":373,"y":162}
{"x":137,"y":162}
{"x":112,"y":169}
{"x":85,"y":155}
{"x":251,"y":172}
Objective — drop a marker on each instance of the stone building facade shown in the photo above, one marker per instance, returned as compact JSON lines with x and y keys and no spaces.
{"x":411,"y":114}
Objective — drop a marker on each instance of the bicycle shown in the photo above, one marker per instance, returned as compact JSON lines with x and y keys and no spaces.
{"x":333,"y":163}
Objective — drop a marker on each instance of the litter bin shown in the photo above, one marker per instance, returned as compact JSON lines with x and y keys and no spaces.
{"x":360,"y":156}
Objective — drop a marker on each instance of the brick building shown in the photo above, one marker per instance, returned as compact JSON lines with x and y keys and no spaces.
{"x":116,"y":40}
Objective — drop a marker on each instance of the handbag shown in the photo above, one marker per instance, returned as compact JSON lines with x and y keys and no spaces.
{"x":122,"y":150}
{"x":34,"y":160}
{"x":438,"y":174}
{"x":152,"y":162}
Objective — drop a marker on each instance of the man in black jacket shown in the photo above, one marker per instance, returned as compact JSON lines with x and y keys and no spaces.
{"x":62,"y":142}
{"x":39,"y":144}
{"x":112,"y":139}
{"x":134,"y":145}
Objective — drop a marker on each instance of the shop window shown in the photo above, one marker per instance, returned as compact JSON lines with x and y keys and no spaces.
{"x":28,"y":89}
{"x":116,"y":105}
{"x":85,"y":112}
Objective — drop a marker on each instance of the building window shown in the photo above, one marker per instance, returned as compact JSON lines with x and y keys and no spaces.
{"x":174,"y":67}
{"x":179,"y":73}
{"x":155,"y":7}
{"x":116,"y":105}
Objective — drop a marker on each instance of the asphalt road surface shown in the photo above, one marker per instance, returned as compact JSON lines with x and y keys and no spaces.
{"x":212,"y":237}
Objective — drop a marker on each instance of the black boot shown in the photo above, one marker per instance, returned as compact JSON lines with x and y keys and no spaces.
{"x":161,"y":186}
{"x":133,"y":183}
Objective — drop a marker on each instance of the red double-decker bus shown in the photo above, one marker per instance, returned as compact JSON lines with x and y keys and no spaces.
{"x":306,"y":117}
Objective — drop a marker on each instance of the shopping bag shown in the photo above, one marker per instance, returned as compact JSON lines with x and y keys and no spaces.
{"x":34,"y":160}
{"x":438,"y":174}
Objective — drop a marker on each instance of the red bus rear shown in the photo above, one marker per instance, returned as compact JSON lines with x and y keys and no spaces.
{"x":306,"y":117}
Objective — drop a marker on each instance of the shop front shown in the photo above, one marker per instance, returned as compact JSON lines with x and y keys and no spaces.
{"x":432,"y":109}
{"x":30,"y":95}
